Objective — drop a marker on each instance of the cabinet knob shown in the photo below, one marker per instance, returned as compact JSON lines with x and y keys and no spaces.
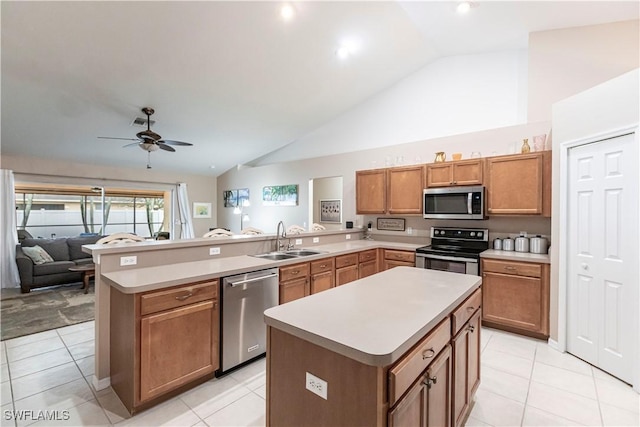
{"x":428,"y":354}
{"x":429,"y":381}
{"x":184,"y":297}
{"x":471,"y":328}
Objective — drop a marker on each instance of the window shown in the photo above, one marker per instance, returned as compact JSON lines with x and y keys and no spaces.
{"x":56,"y":211}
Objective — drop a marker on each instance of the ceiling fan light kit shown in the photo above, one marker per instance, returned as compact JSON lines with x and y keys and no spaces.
{"x":150,"y":141}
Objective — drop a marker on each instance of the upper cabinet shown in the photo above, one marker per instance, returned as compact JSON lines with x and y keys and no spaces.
{"x":463,"y":172}
{"x":390,"y":191}
{"x":519,"y":184}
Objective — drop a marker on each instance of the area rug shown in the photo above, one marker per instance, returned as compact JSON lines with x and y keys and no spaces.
{"x":44,"y":309}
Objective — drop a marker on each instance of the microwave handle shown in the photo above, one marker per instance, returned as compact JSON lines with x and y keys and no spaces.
{"x":469,"y":201}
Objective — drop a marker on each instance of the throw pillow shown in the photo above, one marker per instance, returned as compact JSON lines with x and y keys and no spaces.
{"x":37,"y":254}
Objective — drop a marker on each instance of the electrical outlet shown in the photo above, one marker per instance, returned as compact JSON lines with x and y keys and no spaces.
{"x":316,"y":385}
{"x":409,"y":230}
{"x":316,"y":240}
{"x":348,"y":236}
{"x":128,"y":260}
{"x":214,"y":251}
{"x":298,"y":241}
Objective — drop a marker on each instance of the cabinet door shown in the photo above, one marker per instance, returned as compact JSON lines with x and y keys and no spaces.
{"x":473,"y":371}
{"x":371,"y":191}
{"x":176,"y":347}
{"x":346,"y":275}
{"x":411,"y":410}
{"x":439,"y":390}
{"x":467,"y":172}
{"x":293,"y":289}
{"x":515,"y":301}
{"x":404,"y":190}
{"x":466,"y":367}
{"x":367,"y":269}
{"x":439,"y":175}
{"x":514,"y":184}
{"x":321,"y":281}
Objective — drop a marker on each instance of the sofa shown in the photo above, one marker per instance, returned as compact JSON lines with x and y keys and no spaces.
{"x":65,"y":252}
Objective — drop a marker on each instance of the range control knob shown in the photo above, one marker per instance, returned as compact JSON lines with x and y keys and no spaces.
{"x":472,"y":234}
{"x":479,"y":233}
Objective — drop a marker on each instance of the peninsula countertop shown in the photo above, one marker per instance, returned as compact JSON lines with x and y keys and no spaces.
{"x":134,"y":280}
{"x":377,"y":319}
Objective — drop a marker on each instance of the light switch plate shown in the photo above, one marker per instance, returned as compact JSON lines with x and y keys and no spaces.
{"x":348,"y":237}
{"x":128,"y":260}
{"x":316,"y":240}
{"x":298,"y":241}
{"x":214,"y":251}
{"x":316,"y":386}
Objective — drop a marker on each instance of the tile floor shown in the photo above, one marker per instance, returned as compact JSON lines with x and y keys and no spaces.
{"x":524,"y":382}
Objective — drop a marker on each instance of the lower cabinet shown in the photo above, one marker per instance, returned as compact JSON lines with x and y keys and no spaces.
{"x":516,"y":296}
{"x":346,"y":269}
{"x":322,"y":275}
{"x":466,"y":367}
{"x":367,"y":263}
{"x":394,"y":258}
{"x":294,"y":282}
{"x":162,"y":341}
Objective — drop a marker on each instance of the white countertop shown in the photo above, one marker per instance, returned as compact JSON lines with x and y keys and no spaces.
{"x":135,"y":280}
{"x":516,"y":256}
{"x":377,"y":319}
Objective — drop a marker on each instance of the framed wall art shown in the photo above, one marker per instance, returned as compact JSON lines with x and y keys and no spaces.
{"x":331,"y":210}
{"x":280,"y":195}
{"x":201,"y":210}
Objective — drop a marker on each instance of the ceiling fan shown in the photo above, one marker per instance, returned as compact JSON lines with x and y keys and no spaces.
{"x":148,"y":140}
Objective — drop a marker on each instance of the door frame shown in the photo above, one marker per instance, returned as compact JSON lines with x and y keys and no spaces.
{"x":563,"y":238}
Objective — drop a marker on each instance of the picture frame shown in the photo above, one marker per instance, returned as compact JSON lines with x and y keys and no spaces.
{"x":331,"y":210}
{"x":201,"y":210}
{"x":280,"y":195}
{"x":230,"y":198}
{"x":391,"y":224}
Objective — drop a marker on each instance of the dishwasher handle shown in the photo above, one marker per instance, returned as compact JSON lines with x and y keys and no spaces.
{"x":252,"y":280}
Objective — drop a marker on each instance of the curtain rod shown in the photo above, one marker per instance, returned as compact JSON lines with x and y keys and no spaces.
{"x":85,"y":179}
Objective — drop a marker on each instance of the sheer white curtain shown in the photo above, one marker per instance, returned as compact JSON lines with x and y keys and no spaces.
{"x":8,"y":231}
{"x":186,"y":223}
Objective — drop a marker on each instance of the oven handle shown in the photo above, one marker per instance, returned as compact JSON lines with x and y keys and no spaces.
{"x":447,"y":258}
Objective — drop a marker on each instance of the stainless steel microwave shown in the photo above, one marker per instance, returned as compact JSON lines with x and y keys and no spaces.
{"x":454,"y":203}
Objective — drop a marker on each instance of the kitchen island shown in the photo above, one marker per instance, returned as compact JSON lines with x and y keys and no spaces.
{"x":401,"y":347}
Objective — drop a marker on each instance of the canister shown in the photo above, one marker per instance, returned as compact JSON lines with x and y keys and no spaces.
{"x":522,"y":244}
{"x":538,"y":245}
{"x":497,"y":244}
{"x":507,"y":244}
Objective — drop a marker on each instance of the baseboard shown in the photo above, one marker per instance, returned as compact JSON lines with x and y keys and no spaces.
{"x":100,"y":384}
{"x":553,"y":344}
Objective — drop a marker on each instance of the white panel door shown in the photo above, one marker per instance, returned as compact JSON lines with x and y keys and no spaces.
{"x":602,"y":291}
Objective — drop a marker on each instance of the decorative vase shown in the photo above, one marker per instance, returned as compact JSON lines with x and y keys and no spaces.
{"x":440,"y":157}
{"x":525,"y":146}
{"x":539,"y":142}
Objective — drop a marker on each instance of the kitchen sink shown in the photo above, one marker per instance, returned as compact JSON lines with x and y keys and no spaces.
{"x":304,"y":252}
{"x":275,"y":256}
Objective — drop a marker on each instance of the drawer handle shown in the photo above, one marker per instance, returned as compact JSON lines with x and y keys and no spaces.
{"x":510,"y":268}
{"x":295,"y":272}
{"x":430,"y":381}
{"x":471,"y":309}
{"x":471,"y":328}
{"x":323,"y":265}
{"x":428,"y":354}
{"x":184,"y":297}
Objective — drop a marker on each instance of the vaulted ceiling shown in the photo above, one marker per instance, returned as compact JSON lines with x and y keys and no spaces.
{"x":233,"y":78}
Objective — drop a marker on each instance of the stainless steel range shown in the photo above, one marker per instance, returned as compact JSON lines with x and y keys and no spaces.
{"x":454,"y":249}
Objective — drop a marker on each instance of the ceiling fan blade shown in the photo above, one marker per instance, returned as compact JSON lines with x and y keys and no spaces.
{"x":124,"y":139}
{"x":170,"y":142}
{"x":165,"y":147}
{"x":131,"y":145}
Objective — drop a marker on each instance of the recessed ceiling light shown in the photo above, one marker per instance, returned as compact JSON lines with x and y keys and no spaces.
{"x":464,"y":6}
{"x":287,"y":12}
{"x":212,"y":166}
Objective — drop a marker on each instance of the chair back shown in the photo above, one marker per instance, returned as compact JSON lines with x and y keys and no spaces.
{"x":120,"y":238}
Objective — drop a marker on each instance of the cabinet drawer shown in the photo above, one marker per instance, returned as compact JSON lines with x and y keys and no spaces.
{"x":412,"y":364}
{"x":294,"y":271}
{"x":321,"y":265}
{"x":465,"y":311}
{"x":400,"y":255}
{"x":515,"y":268}
{"x":346,"y":260}
{"x":368,"y":255}
{"x":156,"y":301}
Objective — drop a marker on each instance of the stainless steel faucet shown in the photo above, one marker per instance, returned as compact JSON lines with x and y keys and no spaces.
{"x":280,"y":234}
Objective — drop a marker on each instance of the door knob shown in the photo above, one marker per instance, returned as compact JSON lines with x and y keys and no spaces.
{"x":585,"y":266}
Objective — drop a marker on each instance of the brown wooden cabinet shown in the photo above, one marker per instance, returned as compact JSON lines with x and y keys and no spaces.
{"x":162,"y":341}
{"x":516,"y":296}
{"x":390,"y":191}
{"x":294,"y":282}
{"x":466,"y":368}
{"x":519,"y":184}
{"x":395,"y":258}
{"x":462,"y":172}
{"x":367,"y":263}
{"x":346,"y":268}
{"x":322,"y":275}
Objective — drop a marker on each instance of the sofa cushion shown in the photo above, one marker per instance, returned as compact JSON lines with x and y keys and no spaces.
{"x":57,"y":248}
{"x":83,"y":261}
{"x":75,"y":246}
{"x":52,"y":267}
{"x":37,"y":254}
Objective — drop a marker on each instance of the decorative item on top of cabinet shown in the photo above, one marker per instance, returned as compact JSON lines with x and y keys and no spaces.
{"x":390,"y":191}
{"x":516,"y":296}
{"x":463,"y":172}
{"x":526,"y":148}
{"x":519,"y":184}
{"x":395,"y":258}
{"x":163,"y":341}
{"x":294,"y":282}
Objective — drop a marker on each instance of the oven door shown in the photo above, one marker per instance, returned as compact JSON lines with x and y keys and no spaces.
{"x":452,"y":264}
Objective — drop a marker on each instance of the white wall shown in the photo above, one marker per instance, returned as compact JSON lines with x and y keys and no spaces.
{"x":328,"y":188}
{"x":450,"y":96}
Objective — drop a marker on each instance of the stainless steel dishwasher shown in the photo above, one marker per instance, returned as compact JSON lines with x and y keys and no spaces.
{"x":245,"y":297}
